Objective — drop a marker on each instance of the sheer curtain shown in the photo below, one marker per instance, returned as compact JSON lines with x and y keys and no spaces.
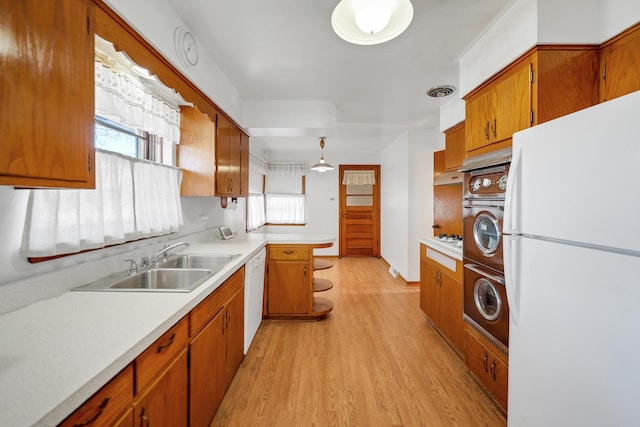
{"x":285,"y":209}
{"x":255,"y":211}
{"x":132,"y":199}
{"x":359,"y":177}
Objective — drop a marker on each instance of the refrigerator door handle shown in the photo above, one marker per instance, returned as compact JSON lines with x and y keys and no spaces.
{"x":511,"y":222}
{"x":511,"y":253}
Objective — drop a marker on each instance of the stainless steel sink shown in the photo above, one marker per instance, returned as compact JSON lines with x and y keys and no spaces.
{"x":177,"y":273}
{"x":213,"y":262}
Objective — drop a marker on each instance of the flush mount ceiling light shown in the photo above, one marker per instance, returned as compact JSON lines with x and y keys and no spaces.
{"x":369,"y":22}
{"x":322,"y":166}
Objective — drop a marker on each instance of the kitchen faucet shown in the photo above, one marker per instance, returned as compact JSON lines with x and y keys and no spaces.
{"x":155,"y":258}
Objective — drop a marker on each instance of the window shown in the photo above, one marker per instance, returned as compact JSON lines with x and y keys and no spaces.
{"x":111,"y":136}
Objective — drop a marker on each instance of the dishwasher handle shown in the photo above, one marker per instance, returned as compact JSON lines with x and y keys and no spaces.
{"x":258,"y":259}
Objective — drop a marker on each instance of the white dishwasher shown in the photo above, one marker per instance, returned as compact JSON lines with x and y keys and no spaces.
{"x":253,"y":293}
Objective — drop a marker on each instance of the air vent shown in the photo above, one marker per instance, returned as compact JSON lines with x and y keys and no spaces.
{"x":441,"y":91}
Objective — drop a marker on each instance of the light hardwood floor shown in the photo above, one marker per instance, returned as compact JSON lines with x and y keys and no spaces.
{"x":375,"y":361}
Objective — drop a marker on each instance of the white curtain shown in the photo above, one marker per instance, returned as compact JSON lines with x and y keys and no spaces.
{"x":285,"y":209}
{"x":121,"y":97}
{"x":287,"y":169}
{"x":359,"y":177}
{"x":255,"y":211}
{"x":69,"y":221}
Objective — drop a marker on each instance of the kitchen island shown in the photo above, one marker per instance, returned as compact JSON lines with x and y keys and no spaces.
{"x":58,"y":352}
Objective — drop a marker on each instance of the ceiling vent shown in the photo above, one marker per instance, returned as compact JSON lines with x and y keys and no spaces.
{"x":441,"y":91}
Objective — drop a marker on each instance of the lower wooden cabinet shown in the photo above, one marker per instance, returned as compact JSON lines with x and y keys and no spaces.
{"x":488,"y":366}
{"x":164,"y":403}
{"x":441,"y":294}
{"x":182,"y":377}
{"x":107,"y":404}
{"x":215,"y":350}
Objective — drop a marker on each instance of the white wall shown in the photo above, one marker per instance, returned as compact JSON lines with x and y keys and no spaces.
{"x":156,"y":21}
{"x":407,"y":198}
{"x":617,"y":15}
{"x":323,"y":197}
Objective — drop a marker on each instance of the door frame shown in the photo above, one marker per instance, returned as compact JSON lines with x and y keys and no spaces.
{"x":376,"y":208}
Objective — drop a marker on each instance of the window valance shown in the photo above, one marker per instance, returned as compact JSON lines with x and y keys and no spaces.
{"x":264,"y":168}
{"x":359,"y":177}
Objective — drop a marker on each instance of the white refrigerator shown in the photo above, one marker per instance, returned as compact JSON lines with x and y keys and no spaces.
{"x":572,"y":269}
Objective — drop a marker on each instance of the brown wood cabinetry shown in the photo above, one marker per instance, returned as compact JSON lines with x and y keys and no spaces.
{"x":244,"y":165}
{"x":165,"y":402}
{"x":289,"y":284}
{"x":619,"y":64}
{"x":107,"y":404}
{"x":439,"y":162}
{"x":47,"y":87}
{"x":227,"y":158}
{"x":216,"y":348}
{"x":441,"y":295}
{"x":196,"y":154}
{"x":545,"y":83}
{"x":454,"y":148}
{"x":488,"y":366}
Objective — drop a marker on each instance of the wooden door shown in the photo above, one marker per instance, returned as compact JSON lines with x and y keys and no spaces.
{"x":620,"y":63}
{"x":165,"y":403}
{"x":429,"y":291}
{"x":244,"y":165}
{"x":512,"y":103}
{"x":288,"y":291}
{"x":454,"y":153}
{"x":450,"y":313}
{"x":227,"y":158}
{"x":207,"y":372}
{"x":47,"y":93}
{"x":360,"y":214}
{"x":196,"y":153}
{"x":234,"y":335}
{"x":479,"y":114}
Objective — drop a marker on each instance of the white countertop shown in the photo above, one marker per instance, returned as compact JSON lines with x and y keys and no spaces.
{"x":447,"y":248}
{"x":56,"y":353}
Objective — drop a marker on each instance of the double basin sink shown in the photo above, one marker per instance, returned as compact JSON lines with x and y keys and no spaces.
{"x":177,"y":273}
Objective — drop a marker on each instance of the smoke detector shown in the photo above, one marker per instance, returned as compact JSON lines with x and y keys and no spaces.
{"x":441,"y":91}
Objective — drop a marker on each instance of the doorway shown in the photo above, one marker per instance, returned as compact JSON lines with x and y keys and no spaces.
{"x":359,"y":210}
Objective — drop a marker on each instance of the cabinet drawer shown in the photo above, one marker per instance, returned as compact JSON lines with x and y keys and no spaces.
{"x":154,"y":358}
{"x":448,"y":265}
{"x":487,"y":368}
{"x":109,"y":402}
{"x":216,"y":301}
{"x":288,"y":253}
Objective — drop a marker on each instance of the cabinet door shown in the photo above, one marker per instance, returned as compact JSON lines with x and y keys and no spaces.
{"x":227,"y":158}
{"x":207,"y":371}
{"x":164,"y":404}
{"x":289,"y":287}
{"x":487,"y":368}
{"x":47,"y":87}
{"x":622,"y":61}
{"x":196,"y":154}
{"x":234,"y":335}
{"x":429,"y":290}
{"x":454,"y":152}
{"x":512,"y":103}
{"x":479,"y":116}
{"x":450,"y":321}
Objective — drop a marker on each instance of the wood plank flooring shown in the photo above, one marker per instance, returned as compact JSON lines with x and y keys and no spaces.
{"x":375,"y":361}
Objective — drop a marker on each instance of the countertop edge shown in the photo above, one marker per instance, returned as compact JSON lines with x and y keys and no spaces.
{"x":445,"y":248}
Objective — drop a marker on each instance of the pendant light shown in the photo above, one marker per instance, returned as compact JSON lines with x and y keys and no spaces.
{"x":322,"y":166}
{"x":368,"y":22}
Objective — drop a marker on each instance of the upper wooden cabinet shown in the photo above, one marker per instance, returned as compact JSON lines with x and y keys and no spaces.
{"x":545,"y":83}
{"x":620,"y":62}
{"x":439,"y":163}
{"x":47,"y":101}
{"x":227,"y":158}
{"x":454,"y":149}
{"x":213,"y":155}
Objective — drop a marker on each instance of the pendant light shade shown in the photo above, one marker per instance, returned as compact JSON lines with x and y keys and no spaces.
{"x":322,"y":166}
{"x":369,"y":22}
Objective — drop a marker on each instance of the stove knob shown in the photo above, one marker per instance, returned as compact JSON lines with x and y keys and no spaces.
{"x":502,"y":182}
{"x":486,"y":182}
{"x":475,"y":186}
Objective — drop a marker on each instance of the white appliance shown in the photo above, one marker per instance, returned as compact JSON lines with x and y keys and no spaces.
{"x":572,"y":269}
{"x":254,"y":291}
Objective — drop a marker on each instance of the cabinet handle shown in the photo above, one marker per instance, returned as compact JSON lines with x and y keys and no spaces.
{"x":494,"y":128}
{"x":486,"y":131}
{"x":94,"y":416}
{"x":228,"y":318}
{"x":163,"y":346}
{"x":493,"y":370}
{"x":305,"y":270}
{"x":288,"y":252}
{"x":144,"y":418}
{"x":485,"y":362}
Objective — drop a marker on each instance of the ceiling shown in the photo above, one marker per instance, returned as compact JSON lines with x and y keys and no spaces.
{"x":287,"y":50}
